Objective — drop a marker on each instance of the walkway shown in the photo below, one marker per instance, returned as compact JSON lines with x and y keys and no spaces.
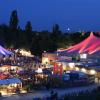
{"x":44,"y":93}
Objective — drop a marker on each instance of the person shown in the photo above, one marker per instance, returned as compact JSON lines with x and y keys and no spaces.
{"x":48,"y":86}
{"x":56,"y":96}
{"x":17,"y":90}
{"x":0,"y":94}
{"x":51,"y":93}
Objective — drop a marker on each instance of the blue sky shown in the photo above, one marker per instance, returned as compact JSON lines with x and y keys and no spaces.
{"x":75,"y":14}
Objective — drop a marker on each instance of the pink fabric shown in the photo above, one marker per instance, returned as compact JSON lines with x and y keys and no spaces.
{"x":90,"y":45}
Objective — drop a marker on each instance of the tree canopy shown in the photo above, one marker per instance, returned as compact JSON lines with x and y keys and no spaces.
{"x":13,"y":36}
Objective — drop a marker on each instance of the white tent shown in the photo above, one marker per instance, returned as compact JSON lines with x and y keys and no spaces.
{"x":4,"y":52}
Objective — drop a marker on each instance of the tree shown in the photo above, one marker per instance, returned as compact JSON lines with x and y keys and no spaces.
{"x":56,"y":36}
{"x":28,"y":32}
{"x":28,"y":27}
{"x":56,"y":28}
{"x":13,"y":20}
{"x":36,"y":46}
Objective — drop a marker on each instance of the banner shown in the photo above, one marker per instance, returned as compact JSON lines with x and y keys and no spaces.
{"x":55,"y":68}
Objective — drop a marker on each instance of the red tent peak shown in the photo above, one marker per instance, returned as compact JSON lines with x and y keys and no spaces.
{"x":91,"y":34}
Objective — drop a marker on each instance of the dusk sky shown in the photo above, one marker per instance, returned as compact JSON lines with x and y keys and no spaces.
{"x":75,"y":14}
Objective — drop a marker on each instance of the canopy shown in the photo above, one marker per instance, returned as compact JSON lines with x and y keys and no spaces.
{"x":90,"y":45}
{"x":10,"y":81}
{"x":4,"y":52}
{"x":3,"y":76}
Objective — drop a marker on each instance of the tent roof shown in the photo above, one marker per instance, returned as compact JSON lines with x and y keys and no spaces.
{"x":5,"y":52}
{"x":90,"y":45}
{"x":10,"y":81}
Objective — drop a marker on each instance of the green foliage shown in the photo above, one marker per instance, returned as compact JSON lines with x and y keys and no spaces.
{"x":13,"y":36}
{"x":13,"y":20}
{"x":28,"y":33}
{"x":28,"y":27}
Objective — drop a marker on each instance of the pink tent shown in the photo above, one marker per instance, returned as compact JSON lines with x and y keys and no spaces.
{"x":90,"y":45}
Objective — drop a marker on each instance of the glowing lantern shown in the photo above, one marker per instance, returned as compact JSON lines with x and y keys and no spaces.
{"x":83,"y":70}
{"x":92,"y":72}
{"x":77,"y":69}
{"x":83,"y":56}
{"x":71,"y":65}
{"x":45,"y":60}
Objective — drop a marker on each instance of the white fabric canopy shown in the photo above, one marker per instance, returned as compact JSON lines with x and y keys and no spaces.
{"x":5,"y":52}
